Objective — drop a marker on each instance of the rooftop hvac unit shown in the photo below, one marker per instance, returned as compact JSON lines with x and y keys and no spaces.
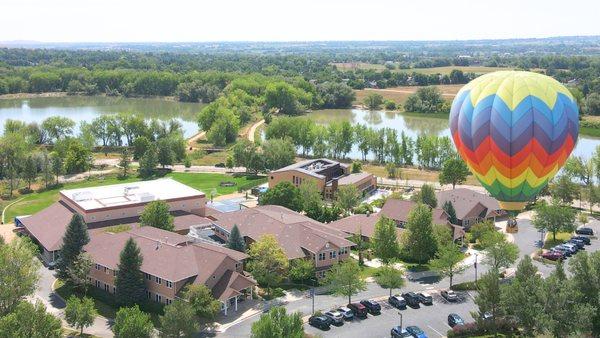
{"x":82,"y":196}
{"x":129,"y":189}
{"x":146,"y":197}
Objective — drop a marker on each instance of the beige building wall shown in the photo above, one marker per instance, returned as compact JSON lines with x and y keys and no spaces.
{"x":276,"y":177}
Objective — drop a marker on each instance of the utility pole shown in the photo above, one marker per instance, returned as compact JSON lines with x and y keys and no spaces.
{"x":475,"y":269}
{"x":400,"y":313}
{"x":312,"y":291}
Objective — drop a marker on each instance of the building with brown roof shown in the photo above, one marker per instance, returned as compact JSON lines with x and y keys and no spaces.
{"x":397,"y":210}
{"x":471,"y":206}
{"x":299,"y":236}
{"x":170,"y":263}
{"x":327,"y":174}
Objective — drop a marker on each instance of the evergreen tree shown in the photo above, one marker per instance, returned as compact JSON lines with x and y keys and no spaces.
{"x":421,"y":244}
{"x":427,"y":196}
{"x":76,"y":236}
{"x":130,"y":280}
{"x":148,"y":161}
{"x":449,"y":209}
{"x":124,"y":163}
{"x":385,"y":240}
{"x":235,"y":240}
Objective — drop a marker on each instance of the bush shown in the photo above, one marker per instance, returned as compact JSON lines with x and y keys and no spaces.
{"x":505,"y":326}
{"x":464,"y":286}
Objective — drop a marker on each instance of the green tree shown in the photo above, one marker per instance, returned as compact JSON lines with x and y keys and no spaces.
{"x":129,"y":281}
{"x":373,"y":101}
{"x":278,"y":324}
{"x":149,"y":161}
{"x":244,"y":155}
{"x":554,"y":217}
{"x":447,"y":261}
{"x":454,"y":171}
{"x":202,"y":301}
{"x":179,"y":320}
{"x":302,"y":270}
{"x":80,"y":313}
{"x":427,"y":196}
{"x":57,"y":165}
{"x":156,"y":214}
{"x":278,"y":153}
{"x":285,"y":98}
{"x":78,"y":158}
{"x":592,"y":104}
{"x":585,"y":270}
{"x":420,"y":242}
{"x":564,"y":189}
{"x":19,"y":275}
{"x":131,"y":322}
{"x":344,"y":279}
{"x":58,"y":127}
{"x":489,"y":297}
{"x":76,"y":236}
{"x":312,"y":199}
{"x":385,"y":240}
{"x":284,"y":194}
{"x":361,"y":245}
{"x":140,"y":145}
{"x":390,"y":278}
{"x":480,"y":229}
{"x":165,"y":153}
{"x":29,"y":320}
{"x":236,"y":241}
{"x":30,"y":169}
{"x":268,"y":262}
{"x":125,"y":163}
{"x":499,"y":253}
{"x":449,"y":209}
{"x":79,"y":271}
{"x":356,"y":167}
{"x":347,"y":197}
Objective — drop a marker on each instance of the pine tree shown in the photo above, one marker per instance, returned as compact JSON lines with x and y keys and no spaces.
{"x":148,"y":161}
{"x":74,"y":239}
{"x":125,"y":162}
{"x":236,"y":241}
{"x":449,"y":209}
{"x":130,"y":280}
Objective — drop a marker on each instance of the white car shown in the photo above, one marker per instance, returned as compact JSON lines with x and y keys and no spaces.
{"x":346,"y":313}
{"x":336,"y":317}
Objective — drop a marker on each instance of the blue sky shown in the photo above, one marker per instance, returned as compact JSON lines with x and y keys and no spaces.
{"x":293,"y":20}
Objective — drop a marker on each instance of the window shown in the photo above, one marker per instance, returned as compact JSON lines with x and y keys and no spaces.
{"x":332,"y":254}
{"x":148,"y":294}
{"x":106,"y":270}
{"x":97,"y":266}
{"x":114,"y":289}
{"x":158,"y":280}
{"x":115,"y":273}
{"x":168,"y":301}
{"x":97,"y":283}
{"x":169,"y":284}
{"x":158,"y":298}
{"x":322,"y":256}
{"x":106,"y":287}
{"x":148,"y":276}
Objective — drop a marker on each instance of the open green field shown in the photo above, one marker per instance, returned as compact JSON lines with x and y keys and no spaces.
{"x":37,"y":201}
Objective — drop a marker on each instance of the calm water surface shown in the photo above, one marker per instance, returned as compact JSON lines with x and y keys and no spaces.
{"x":86,"y":108}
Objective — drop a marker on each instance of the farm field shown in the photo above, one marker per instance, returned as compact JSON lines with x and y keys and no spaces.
{"x":400,"y":94}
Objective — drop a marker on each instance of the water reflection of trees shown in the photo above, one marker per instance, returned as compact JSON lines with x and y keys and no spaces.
{"x":423,"y":125}
{"x":326,"y":116}
{"x":373,"y":117}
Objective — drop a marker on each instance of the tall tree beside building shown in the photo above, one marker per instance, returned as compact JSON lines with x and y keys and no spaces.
{"x":278,"y":324}
{"x":284,"y":194}
{"x":76,"y":236}
{"x":131,"y":322}
{"x":166,"y":156}
{"x":454,"y":171}
{"x":79,"y":271}
{"x":427,"y":196}
{"x":156,"y":214}
{"x":19,"y":275}
{"x":390,"y":278}
{"x":148,"y":161}
{"x":385,"y":240}
{"x":268,"y":262}
{"x":420,"y":242}
{"x":130,"y":280}
{"x":202,"y":301}
{"x":302,"y":270}
{"x":344,"y":279}
{"x":30,"y":320}
{"x":347,"y":197}
{"x":447,"y":261}
{"x":236,"y":240}
{"x":449,"y":209}
{"x":80,"y":313}
{"x":179,"y":320}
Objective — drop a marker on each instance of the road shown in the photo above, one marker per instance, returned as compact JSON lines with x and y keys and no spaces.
{"x":252,"y":130}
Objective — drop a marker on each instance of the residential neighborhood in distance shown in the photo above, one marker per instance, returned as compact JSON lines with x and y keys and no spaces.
{"x":256,"y":169}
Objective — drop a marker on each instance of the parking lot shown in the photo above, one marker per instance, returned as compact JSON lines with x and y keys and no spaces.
{"x":431,"y":319}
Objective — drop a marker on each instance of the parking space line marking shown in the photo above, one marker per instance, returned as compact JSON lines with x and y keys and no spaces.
{"x":436,"y":331}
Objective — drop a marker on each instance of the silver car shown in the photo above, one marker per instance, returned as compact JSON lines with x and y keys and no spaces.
{"x":336,"y":317}
{"x":346,"y":313}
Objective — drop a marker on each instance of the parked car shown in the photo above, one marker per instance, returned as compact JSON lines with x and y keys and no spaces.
{"x":346,"y":313}
{"x":372,"y":306}
{"x":487,"y":315}
{"x":425,"y":298}
{"x":449,"y":295}
{"x":574,"y":248}
{"x":454,"y":319}
{"x":579,"y":243}
{"x":399,"y":332}
{"x":320,"y":322}
{"x":585,"y":239}
{"x":585,"y":231}
{"x":566,"y":252}
{"x":358,"y":309}
{"x":335,"y":317}
{"x":411,"y":298}
{"x":552,"y":255}
{"x":416,"y":332}
{"x":397,"y":301}
{"x":571,"y":250}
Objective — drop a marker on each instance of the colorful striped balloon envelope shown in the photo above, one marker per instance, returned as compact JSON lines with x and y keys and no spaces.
{"x":514,"y":130}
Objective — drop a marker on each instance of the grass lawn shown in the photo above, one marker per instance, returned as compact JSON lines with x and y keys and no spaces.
{"x":37,"y":201}
{"x":73,"y":333}
{"x":368,"y":271}
{"x":212,"y":158}
{"x":561,"y":237}
{"x":412,"y":174}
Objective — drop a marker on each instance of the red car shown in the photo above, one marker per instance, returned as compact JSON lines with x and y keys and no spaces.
{"x":552,"y":255}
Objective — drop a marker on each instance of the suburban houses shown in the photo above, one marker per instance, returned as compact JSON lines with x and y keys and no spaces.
{"x":328,"y":175}
{"x":471,"y":206}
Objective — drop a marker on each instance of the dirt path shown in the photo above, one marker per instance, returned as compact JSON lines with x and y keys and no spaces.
{"x":252,"y":130}
{"x":192,"y":141}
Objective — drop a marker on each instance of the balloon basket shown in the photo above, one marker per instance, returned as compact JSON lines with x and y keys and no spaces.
{"x":512,"y":226}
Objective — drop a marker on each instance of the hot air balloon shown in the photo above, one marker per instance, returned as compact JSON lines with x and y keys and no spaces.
{"x":515,"y":130}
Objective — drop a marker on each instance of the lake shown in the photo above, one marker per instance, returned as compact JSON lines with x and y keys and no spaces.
{"x":415,"y":125}
{"x":86,"y":108}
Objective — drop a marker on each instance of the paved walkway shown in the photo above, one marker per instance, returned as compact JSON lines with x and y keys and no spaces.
{"x":252,"y":130}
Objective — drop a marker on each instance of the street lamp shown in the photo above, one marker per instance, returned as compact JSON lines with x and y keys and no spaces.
{"x":475,"y":269}
{"x":400,"y":313}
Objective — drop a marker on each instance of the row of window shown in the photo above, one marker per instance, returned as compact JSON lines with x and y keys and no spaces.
{"x":158,"y":298}
{"x":158,"y":280}
{"x":297,"y":180}
{"x":112,"y":289}
{"x":105,"y":269}
{"x":333,"y":254}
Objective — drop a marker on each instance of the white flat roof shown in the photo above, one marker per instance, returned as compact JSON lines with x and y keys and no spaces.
{"x":129,"y":193}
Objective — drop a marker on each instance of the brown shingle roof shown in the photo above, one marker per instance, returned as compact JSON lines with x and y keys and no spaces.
{"x":162,"y":257}
{"x":468,"y":203}
{"x":49,"y":225}
{"x":293,"y":231}
{"x":230,"y":284}
{"x":360,"y":224}
{"x":398,"y":210}
{"x":353,"y":178}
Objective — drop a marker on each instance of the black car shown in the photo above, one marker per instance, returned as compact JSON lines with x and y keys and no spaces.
{"x":320,"y":322}
{"x":580,"y":244}
{"x":585,"y":231}
{"x":399,"y":332}
{"x":425,"y":298}
{"x":585,"y":240}
{"x":372,"y":306}
{"x":358,"y":309}
{"x":412,"y":299}
{"x":397,"y":301}
{"x":454,"y":319}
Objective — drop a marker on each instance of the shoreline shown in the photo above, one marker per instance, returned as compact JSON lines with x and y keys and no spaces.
{"x":17,"y":96}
